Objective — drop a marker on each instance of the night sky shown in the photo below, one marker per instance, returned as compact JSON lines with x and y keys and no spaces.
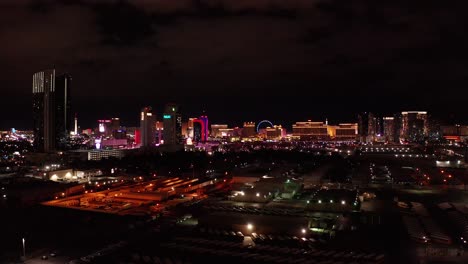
{"x":238,"y":60}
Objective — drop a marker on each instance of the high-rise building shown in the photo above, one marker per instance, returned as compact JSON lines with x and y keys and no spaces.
{"x":345,"y":132}
{"x":200,"y":129}
{"x":275,"y":132}
{"x":52,"y":115}
{"x":147,"y":127}
{"x":248,"y":130}
{"x":367,"y":127}
{"x":378,"y":126}
{"x":104,"y":127}
{"x":172,"y":120}
{"x":414,"y":125}
{"x":363,"y":126}
{"x":190,"y":127}
{"x":389,"y":128}
{"x":397,"y":127}
{"x":216,"y":130}
{"x":372,"y":128}
{"x":311,"y":130}
{"x":159,"y":131}
{"x":206,"y":127}
{"x":115,"y":124}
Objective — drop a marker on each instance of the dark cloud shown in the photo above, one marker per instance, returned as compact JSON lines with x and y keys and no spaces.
{"x":122,"y":23}
{"x":40,"y":6}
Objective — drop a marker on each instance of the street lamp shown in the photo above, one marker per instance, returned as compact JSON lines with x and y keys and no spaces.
{"x":24,"y":247}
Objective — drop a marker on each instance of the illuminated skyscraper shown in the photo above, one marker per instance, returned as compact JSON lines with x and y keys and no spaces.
{"x":310,"y":130}
{"x":249,"y":129}
{"x":414,"y":125}
{"x":172,"y":120}
{"x":275,"y":132}
{"x":115,"y":124}
{"x":104,"y":127}
{"x":389,"y":128}
{"x":200,"y":129}
{"x":363,"y":126}
{"x":190,"y":127}
{"x":345,"y":131}
{"x":147,"y":127}
{"x":216,"y":130}
{"x":52,"y":115}
{"x":367,"y":126}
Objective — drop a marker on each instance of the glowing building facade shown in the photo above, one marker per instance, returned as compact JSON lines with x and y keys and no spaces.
{"x":345,"y":132}
{"x":200,"y":129}
{"x":414,"y":125}
{"x":311,"y":130}
{"x":249,"y":130}
{"x":147,"y":127}
{"x":389,"y":129}
{"x":275,"y":132}
{"x":172,"y":121}
{"x":368,"y":127}
{"x":216,"y":130}
{"x":104,"y":127}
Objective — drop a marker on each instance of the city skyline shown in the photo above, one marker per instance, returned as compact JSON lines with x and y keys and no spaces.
{"x":219,"y":118}
{"x":287,"y":74}
{"x":64,"y":101}
{"x":238,"y":131}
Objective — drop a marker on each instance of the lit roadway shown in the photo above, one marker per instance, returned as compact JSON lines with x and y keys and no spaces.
{"x":36,"y":257}
{"x":51,"y":260}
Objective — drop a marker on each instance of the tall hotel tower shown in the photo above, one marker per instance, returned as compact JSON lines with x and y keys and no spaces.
{"x":172,"y":120}
{"x":51,"y":110}
{"x":147,"y":127}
